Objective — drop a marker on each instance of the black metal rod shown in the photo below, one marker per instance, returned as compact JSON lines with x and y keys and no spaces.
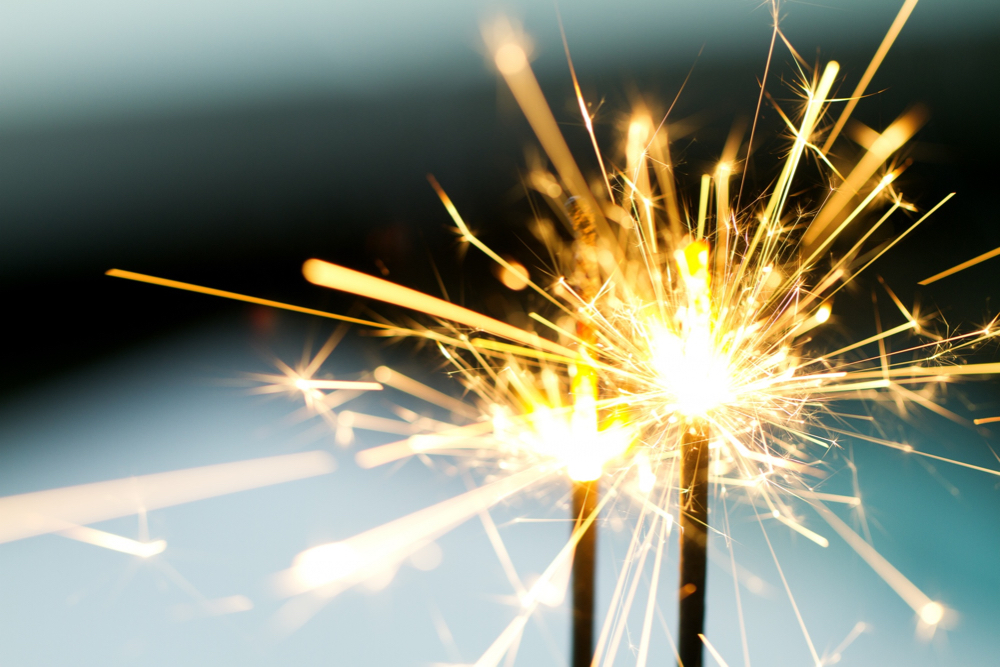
{"x":584,"y":574}
{"x":694,"y":543}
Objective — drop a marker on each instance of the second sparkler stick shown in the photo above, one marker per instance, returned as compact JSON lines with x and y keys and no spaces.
{"x":585,"y":493}
{"x":693,"y":543}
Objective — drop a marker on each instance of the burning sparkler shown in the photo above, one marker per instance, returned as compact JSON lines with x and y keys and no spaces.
{"x":680,"y":351}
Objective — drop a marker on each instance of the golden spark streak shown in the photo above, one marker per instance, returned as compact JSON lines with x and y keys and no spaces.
{"x":587,"y":120}
{"x":188,"y":287}
{"x":40,"y":512}
{"x":961,"y":267}
{"x":859,"y":91}
{"x":337,"y":277}
{"x":985,"y":420}
{"x":397,"y":380}
{"x":913,"y":596}
{"x":512,"y":62}
{"x":943,"y":371}
{"x":890,"y":141}
{"x":468,"y":236}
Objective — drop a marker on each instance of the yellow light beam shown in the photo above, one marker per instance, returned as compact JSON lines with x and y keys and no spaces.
{"x":706,"y":185}
{"x":176,"y":284}
{"x":587,"y":120}
{"x":883,"y":49}
{"x":985,"y":420}
{"x":882,"y":185}
{"x":40,"y":512}
{"x":961,"y":267}
{"x":897,"y":134}
{"x":861,"y":343}
{"x":802,"y":530}
{"x":814,"y":108}
{"x":512,"y":62}
{"x":891,"y":245}
{"x":337,"y":277}
{"x":492,"y":656}
{"x":944,"y":371}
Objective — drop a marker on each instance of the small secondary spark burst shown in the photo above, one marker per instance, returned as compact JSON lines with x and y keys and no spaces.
{"x":680,"y":351}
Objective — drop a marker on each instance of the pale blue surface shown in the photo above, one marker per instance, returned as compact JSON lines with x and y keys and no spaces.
{"x":65,"y":602}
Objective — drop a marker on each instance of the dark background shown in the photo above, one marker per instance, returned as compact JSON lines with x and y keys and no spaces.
{"x":234,"y":191}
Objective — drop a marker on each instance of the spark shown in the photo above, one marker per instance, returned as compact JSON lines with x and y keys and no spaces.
{"x":665,"y":335}
{"x":961,"y":267}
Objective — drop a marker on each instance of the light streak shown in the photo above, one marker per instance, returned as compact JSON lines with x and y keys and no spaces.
{"x":340,"y":278}
{"x":188,"y":287}
{"x":99,"y":538}
{"x":859,"y":91}
{"x":961,"y":267}
{"x":930,"y":612}
{"x":713,"y":651}
{"x":986,"y":420}
{"x":58,"y":510}
{"x":397,"y":380}
{"x":664,"y":326}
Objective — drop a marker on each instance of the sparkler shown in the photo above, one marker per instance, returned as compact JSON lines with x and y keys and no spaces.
{"x":681,"y":352}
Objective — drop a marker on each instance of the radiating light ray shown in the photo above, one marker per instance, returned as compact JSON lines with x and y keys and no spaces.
{"x":502,"y":555}
{"x":929,"y":611}
{"x":334,"y":567}
{"x":40,"y":512}
{"x":859,"y":628}
{"x":713,"y":651}
{"x":859,"y":91}
{"x":450,"y":439}
{"x":890,"y":141}
{"x":910,"y":450}
{"x":176,"y":284}
{"x":397,"y":380}
{"x":961,"y":267}
{"x":647,"y":624}
{"x":736,"y":581}
{"x":492,"y":656}
{"x":338,"y":277}
{"x":512,"y":62}
{"x":788,"y":591}
{"x":100,"y":538}
{"x":985,"y":420}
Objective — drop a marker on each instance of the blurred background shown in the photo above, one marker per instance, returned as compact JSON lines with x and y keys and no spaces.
{"x":223,"y":143}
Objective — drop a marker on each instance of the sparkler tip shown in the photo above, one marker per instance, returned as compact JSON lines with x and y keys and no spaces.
{"x":510,"y":58}
{"x":932,"y":613}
